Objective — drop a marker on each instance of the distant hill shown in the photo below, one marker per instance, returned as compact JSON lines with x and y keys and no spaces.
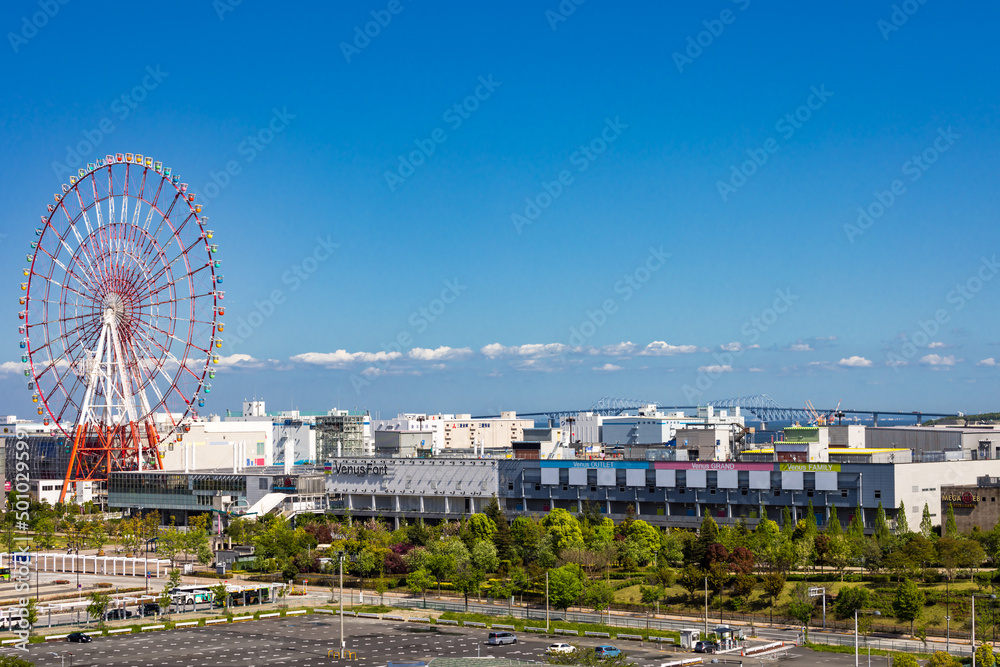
{"x":987,"y":417}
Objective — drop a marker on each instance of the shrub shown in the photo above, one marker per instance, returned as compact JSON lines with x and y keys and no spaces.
{"x":103,"y":584}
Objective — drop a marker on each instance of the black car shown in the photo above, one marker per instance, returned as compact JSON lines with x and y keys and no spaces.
{"x":149,"y":609}
{"x":79,"y":638}
{"x":118,"y":615}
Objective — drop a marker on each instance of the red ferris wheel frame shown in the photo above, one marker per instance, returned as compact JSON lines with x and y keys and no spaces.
{"x":120,"y":313}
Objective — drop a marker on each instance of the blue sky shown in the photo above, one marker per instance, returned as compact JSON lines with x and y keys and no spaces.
{"x":697,"y":172}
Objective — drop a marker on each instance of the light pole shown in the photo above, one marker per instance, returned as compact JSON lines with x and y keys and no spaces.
{"x":706,"y":607}
{"x":873,"y":612}
{"x":547,"y":602}
{"x":974,"y":596}
{"x":340,"y":557}
{"x":947,"y":645}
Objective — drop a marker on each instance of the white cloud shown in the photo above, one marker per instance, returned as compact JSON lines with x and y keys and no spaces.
{"x":896,"y":363}
{"x":937,"y":360}
{"x":608,"y":367}
{"x":439,"y":354}
{"x":617,"y":349}
{"x":531,"y":350}
{"x":800,"y":347}
{"x":754,"y":369}
{"x":341,"y":358}
{"x":935,"y":344}
{"x":659,"y":348}
{"x":713,"y":370}
{"x":11,"y":367}
{"x":988,"y":362}
{"x":373,"y":372}
{"x":855,"y":362}
{"x":238,"y":360}
{"x":737,"y":347}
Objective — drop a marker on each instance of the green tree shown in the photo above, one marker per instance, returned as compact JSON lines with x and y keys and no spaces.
{"x":31,"y":613}
{"x":419,"y":581}
{"x":526,"y":534}
{"x":856,"y":529}
{"x":904,"y":660}
{"x":985,"y":657}
{"x":882,"y":531}
{"x":173,"y":578}
{"x":165,"y":600}
{"x":565,"y":585}
{"x":812,"y":530}
{"x":950,"y":527}
{"x":564,"y":527}
{"x":691,"y":579}
{"x":743,"y":585}
{"x":773,"y":584}
{"x":787,"y":523}
{"x":942,"y":659}
{"x":851,"y":599}
{"x":467,"y":579}
{"x":98,"y":606}
{"x":381,"y":586}
{"x":481,"y":527}
{"x":599,"y":595}
{"x":907,"y":603}
{"x":902,"y":526}
{"x":484,"y":556}
{"x":14,"y":661}
{"x":926,"y":526}
{"x":220,"y":594}
{"x":833,"y":525}
{"x":646,"y":535}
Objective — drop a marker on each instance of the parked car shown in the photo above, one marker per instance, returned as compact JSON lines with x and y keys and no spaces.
{"x":706,"y":647}
{"x":607,"y":651}
{"x":149,"y":609}
{"x":118,"y":615}
{"x":560,"y":648}
{"x":497,"y":638}
{"x":79,"y":638}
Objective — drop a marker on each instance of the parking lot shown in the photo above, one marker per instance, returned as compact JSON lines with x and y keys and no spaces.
{"x":307,"y":640}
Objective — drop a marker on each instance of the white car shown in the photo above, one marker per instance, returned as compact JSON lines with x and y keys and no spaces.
{"x":560,"y":648}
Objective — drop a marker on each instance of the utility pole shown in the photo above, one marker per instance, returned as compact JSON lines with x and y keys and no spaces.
{"x":342,"y":644}
{"x":706,"y":607}
{"x":546,"y":601}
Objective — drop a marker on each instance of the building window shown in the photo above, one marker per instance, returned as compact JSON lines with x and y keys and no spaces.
{"x":743,"y":492}
{"x":777,"y":493}
{"x":593,"y":489}
{"x":878,"y":494}
{"x":510,"y":486}
{"x":843,"y":493}
{"x":565,"y":487}
{"x":538,"y":487}
{"x":712,"y":491}
{"x":262,"y":484}
{"x":809,"y":493}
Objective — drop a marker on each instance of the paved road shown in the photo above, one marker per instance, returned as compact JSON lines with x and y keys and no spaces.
{"x":303,"y":641}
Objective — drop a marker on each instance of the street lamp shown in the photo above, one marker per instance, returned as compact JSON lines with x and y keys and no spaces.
{"x":947,"y":646}
{"x":974,"y":596}
{"x":340,"y":557}
{"x":873,"y":612}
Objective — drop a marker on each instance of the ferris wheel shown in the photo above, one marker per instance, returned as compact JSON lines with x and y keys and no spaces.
{"x":120,"y":313}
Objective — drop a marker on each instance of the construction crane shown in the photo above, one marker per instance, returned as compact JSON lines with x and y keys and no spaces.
{"x":817,"y":418}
